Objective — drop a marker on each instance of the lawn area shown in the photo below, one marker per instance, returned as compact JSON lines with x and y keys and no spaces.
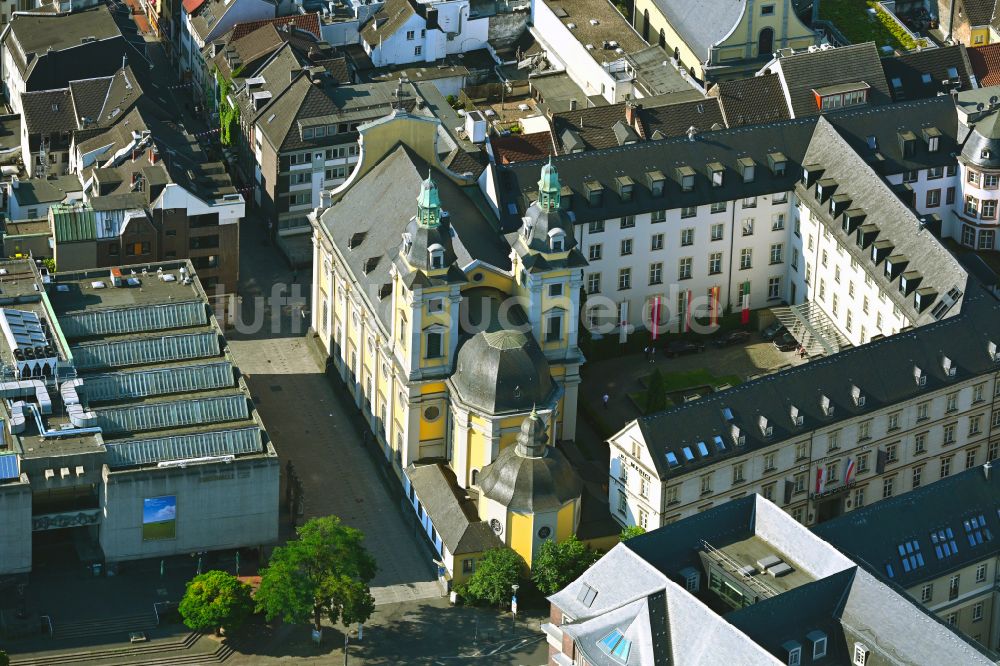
{"x":851,"y":18}
{"x":677,"y":382}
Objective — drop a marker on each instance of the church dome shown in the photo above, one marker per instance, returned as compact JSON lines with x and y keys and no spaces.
{"x":531,"y":476}
{"x":499,"y":371}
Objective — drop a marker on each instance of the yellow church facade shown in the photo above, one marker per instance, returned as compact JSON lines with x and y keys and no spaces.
{"x":454,"y":337}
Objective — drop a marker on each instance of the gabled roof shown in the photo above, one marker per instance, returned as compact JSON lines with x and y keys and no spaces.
{"x":389,"y":18}
{"x":874,"y":534}
{"x":521,"y":147}
{"x":702,"y":24}
{"x":84,"y":104}
{"x":752,"y":100}
{"x":805,"y":72}
{"x":985,"y":63}
{"x":455,"y":520}
{"x":392,"y":185}
{"x":979,"y":12}
{"x":928,"y":72}
{"x":308,"y":22}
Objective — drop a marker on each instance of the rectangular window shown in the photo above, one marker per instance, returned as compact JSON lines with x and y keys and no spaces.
{"x":687,"y":237}
{"x":989,"y":211}
{"x":626,"y":247}
{"x":748,"y":226}
{"x":918,"y":473}
{"x":971,"y":206}
{"x":774,"y":288}
{"x":920,"y":443}
{"x":975,"y":424}
{"x":656,"y":242}
{"x":927,"y":593}
{"x":553,"y":325}
{"x":417,"y":50}
{"x":933,"y":198}
{"x":596,"y":227}
{"x":715,"y":266}
{"x":945,"y":467}
{"x":656,"y":273}
{"x":777,"y":251}
{"x":594,"y":283}
{"x":719,"y":207}
{"x":949,"y":196}
{"x":717,"y":232}
{"x":594,"y":252}
{"x":627,"y":222}
{"x":949,"y":433}
{"x":684,"y":268}
{"x":970,"y":458}
{"x":981,"y":573}
{"x":769,"y":462}
{"x":746,"y":258}
{"x":434,"y":341}
{"x":777,"y":222}
{"x":953,"y":585}
{"x":977,"y":611}
{"x":689,"y":211}
{"x":750,"y":202}
{"x":624,"y":278}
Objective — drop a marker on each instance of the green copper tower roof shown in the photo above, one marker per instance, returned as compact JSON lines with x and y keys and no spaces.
{"x":549,"y":188}
{"x":429,"y":205}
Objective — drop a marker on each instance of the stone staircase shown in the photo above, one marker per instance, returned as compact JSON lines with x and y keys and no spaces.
{"x":124,"y":625}
{"x":151,"y":654}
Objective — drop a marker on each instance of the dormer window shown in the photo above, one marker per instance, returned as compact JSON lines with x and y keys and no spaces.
{"x":932,"y":135}
{"x":778,"y":163}
{"x":715,"y":173}
{"x":595,"y":192}
{"x":557,"y":240}
{"x":907,"y":143}
{"x":656,"y":181}
{"x":435,"y":256}
{"x":840,"y":96}
{"x":685,"y":175}
{"x":625,"y":186}
{"x":747,"y":169}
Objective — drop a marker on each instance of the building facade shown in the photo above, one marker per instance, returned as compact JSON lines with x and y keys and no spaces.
{"x":462,"y":346}
{"x":129,"y":433}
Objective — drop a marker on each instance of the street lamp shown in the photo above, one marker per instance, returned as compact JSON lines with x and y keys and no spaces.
{"x":513,"y":606}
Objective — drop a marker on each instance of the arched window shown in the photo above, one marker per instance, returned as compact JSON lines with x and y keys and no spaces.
{"x":663,"y":40}
{"x":436,"y":256}
{"x":557,"y":240}
{"x":645,"y":25}
{"x":475,"y":476}
{"x":765,"y":42}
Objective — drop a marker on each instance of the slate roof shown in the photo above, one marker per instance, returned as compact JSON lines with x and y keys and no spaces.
{"x":393,"y":185}
{"x":897,"y":224}
{"x":305,"y":100}
{"x":752,"y":100}
{"x":102,"y":101}
{"x":35,"y":191}
{"x":522,"y":147}
{"x":805,"y":72}
{"x":702,"y":24}
{"x":874,"y":534}
{"x":985,"y":62}
{"x":882,"y":369}
{"x":979,"y":12}
{"x":390,"y":17}
{"x":921,"y":74}
{"x":455,"y":520}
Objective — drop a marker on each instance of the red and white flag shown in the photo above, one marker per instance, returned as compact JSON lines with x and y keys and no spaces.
{"x":849,"y":471}
{"x":820,"y":480}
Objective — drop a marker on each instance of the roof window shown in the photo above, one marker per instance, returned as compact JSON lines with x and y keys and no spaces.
{"x":616,"y":646}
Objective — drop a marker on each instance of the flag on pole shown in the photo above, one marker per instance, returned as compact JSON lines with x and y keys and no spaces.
{"x":820,"y":480}
{"x":745,"y":304}
{"x":655,"y":316}
{"x":687,"y":311}
{"x":713,"y":301}
{"x":849,"y":471}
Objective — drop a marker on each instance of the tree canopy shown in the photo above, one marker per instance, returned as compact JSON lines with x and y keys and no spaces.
{"x":631,"y":531}
{"x":559,"y":564}
{"x":325,"y":571}
{"x":496,"y":571}
{"x":216,"y":599}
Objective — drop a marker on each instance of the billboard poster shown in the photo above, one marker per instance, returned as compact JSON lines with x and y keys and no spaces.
{"x":159,"y":518}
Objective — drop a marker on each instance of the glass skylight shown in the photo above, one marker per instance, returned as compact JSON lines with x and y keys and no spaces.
{"x":976,"y":530}
{"x":944,"y":543}
{"x":616,"y":646}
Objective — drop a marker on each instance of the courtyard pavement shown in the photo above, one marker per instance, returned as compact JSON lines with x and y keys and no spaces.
{"x":314,"y":423}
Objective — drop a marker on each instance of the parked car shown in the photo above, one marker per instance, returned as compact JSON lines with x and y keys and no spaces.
{"x":773,"y":330}
{"x":785,"y":342}
{"x":682,"y":347}
{"x":731,"y":338}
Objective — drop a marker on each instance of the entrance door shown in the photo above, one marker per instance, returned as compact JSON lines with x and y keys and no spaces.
{"x":765,"y":42}
{"x":830,"y":508}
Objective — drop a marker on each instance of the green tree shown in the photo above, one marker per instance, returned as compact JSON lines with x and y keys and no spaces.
{"x":325,"y":571}
{"x":214,"y":600}
{"x":656,"y":396}
{"x":497,"y":570}
{"x":631,"y":531}
{"x":559,"y":564}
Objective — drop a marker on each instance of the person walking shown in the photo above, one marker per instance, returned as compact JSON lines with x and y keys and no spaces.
{"x":605,"y":399}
